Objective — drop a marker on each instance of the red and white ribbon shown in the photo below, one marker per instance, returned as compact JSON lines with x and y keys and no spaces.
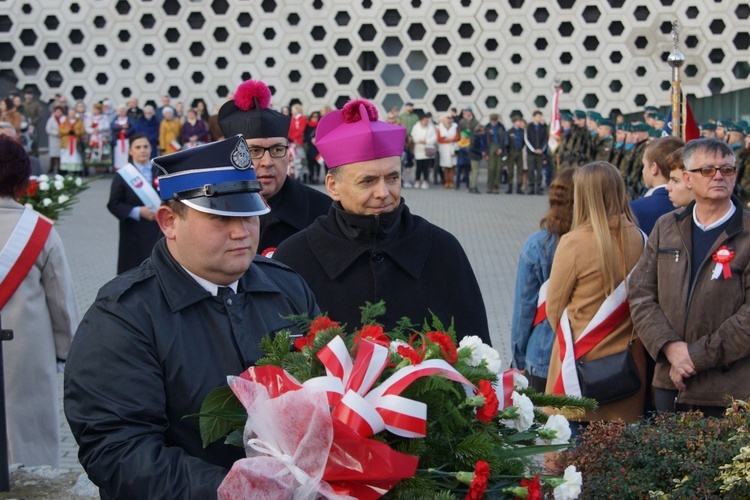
{"x":541,"y":304}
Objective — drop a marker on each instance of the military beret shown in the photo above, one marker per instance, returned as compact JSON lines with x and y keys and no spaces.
{"x":579,"y":113}
{"x":708,"y":126}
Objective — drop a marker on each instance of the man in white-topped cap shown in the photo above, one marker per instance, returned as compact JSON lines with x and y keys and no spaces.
{"x":161,"y":336}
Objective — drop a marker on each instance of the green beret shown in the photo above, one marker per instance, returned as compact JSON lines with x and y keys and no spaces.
{"x":733,"y":127}
{"x":655,"y":132}
{"x":579,"y":113}
{"x":607,"y":123}
{"x":594,"y":115}
{"x":566,"y":117}
{"x":742,"y":124}
{"x":708,"y":126}
{"x":650,"y":108}
{"x":625,"y":127}
{"x":641,"y":127}
{"x":659,"y":117}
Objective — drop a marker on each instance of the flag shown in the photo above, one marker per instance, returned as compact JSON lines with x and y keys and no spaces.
{"x":555,"y":128}
{"x":689,"y":127}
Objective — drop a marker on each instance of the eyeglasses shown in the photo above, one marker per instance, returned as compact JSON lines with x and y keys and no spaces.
{"x":277,"y":151}
{"x":708,"y":171}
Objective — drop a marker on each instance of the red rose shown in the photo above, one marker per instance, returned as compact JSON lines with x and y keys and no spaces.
{"x":533,"y":487}
{"x":373,"y":333}
{"x":409,"y":353}
{"x":479,"y":483}
{"x":491,"y":405}
{"x":447,"y":346}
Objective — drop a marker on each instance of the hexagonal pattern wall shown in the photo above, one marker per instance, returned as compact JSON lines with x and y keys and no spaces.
{"x":497,"y":56}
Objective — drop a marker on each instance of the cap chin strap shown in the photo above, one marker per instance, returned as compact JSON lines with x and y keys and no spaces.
{"x":220,"y":189}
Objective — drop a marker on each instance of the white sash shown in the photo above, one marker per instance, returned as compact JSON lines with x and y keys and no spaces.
{"x":135,"y":180}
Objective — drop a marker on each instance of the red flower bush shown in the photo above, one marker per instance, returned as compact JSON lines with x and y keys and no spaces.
{"x":447,"y":346}
{"x":479,"y":484}
{"x":491,"y":404}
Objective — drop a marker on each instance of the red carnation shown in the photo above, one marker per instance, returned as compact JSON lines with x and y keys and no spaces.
{"x":409,"y":353}
{"x":447,"y":346}
{"x":533,"y":487}
{"x":318,"y":324}
{"x":33,"y":187}
{"x":491,"y":404}
{"x":249,"y":90}
{"x":351,"y":114}
{"x":479,"y":482}
{"x":373,"y":333}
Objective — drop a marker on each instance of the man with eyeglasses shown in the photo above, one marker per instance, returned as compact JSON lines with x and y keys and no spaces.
{"x":294,"y":206}
{"x":690,"y":292}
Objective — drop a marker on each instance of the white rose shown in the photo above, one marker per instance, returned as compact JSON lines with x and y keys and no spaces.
{"x":59,"y":177}
{"x":62,"y":198}
{"x":525,"y":416}
{"x":571,"y":488}
{"x":475,"y":344}
{"x":29,"y":206}
{"x":46,"y":202}
{"x":43,"y":186}
{"x":78,"y":181}
{"x":43,"y":178}
{"x":59,"y":184}
{"x":560,"y":425}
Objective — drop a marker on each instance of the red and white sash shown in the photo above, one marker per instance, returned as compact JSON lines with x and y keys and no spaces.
{"x":613,"y":311}
{"x":137,"y":182}
{"x":20,"y":252}
{"x":541,"y":304}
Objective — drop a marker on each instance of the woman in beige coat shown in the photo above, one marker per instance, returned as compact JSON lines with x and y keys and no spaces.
{"x":590,"y":262}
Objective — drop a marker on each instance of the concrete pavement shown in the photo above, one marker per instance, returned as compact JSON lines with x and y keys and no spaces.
{"x":491,"y":228}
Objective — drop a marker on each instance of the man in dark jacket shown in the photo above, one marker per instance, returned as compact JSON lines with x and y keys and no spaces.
{"x":293,"y":205}
{"x":536,"y":153}
{"x":158,"y":339}
{"x":370,"y":247}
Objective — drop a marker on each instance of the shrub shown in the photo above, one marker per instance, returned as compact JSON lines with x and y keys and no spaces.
{"x":676,"y":455}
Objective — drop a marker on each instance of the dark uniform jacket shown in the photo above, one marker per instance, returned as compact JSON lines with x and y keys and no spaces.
{"x":413,"y":265}
{"x":147,"y":352}
{"x":137,"y":237}
{"x":293,"y":208}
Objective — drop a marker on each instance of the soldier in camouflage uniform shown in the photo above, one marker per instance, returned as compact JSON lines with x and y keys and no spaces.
{"x":580,"y":140}
{"x":618,"y":151}
{"x":563,"y":155}
{"x":636,"y":161}
{"x":735,"y":136}
{"x":605,"y":143}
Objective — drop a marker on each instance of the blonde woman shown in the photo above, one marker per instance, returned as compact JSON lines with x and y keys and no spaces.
{"x":447,"y":136}
{"x":169,"y":131}
{"x":591,"y":262}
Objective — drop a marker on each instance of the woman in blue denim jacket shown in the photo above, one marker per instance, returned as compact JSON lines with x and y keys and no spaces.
{"x":532,"y":345}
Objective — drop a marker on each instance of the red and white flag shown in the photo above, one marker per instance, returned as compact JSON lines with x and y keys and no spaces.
{"x":555,"y":127}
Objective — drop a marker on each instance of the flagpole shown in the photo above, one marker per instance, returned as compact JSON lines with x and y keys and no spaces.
{"x":675,"y":61}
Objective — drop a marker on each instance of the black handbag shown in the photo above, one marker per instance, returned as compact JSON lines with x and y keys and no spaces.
{"x":609,"y":378}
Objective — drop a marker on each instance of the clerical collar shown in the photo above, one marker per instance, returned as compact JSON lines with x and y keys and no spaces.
{"x":211,"y":288}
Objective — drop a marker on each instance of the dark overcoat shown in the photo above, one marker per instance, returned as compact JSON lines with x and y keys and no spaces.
{"x":137,"y":237}
{"x":413,"y":265}
{"x":293,"y":208}
{"x":146,"y":354}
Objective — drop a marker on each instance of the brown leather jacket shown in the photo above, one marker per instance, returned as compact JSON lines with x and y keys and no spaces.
{"x":711,"y":315}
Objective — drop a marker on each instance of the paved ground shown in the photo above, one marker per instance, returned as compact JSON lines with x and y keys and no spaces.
{"x":492,"y":229}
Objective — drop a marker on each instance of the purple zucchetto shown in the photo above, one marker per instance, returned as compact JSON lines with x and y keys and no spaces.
{"x":354,"y":134}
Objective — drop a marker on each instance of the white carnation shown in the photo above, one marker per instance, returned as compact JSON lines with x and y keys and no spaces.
{"x":62,"y":198}
{"x":475,"y":344}
{"x":520,"y":381}
{"x":59,"y":177}
{"x":525,"y":416}
{"x":29,"y":206}
{"x":78,"y":181}
{"x":492,"y":358}
{"x":560,"y":425}
{"x":571,"y":488}
{"x":43,"y":178}
{"x":59,"y":184}
{"x":46,"y":202}
{"x":44,"y":186}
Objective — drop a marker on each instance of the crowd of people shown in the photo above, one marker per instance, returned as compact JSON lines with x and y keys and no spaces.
{"x":643,"y":235}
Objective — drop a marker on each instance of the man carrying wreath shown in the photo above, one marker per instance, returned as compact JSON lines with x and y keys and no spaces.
{"x":689,"y":294}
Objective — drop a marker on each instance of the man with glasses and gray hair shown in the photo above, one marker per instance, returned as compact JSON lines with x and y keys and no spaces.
{"x":294,"y":206}
{"x":690,"y":292}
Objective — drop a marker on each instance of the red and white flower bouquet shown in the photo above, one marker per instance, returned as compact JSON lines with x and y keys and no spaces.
{"x":406,"y":414}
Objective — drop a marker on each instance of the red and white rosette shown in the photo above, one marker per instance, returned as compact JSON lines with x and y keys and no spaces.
{"x":723,"y":256}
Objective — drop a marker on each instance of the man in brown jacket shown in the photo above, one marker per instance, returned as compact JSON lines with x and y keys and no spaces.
{"x":690,"y":292}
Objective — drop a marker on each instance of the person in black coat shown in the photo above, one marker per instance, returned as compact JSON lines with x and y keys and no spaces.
{"x":536,"y":139}
{"x":159,"y":338}
{"x":293,"y":205}
{"x":138,"y":228}
{"x":369,"y":247}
